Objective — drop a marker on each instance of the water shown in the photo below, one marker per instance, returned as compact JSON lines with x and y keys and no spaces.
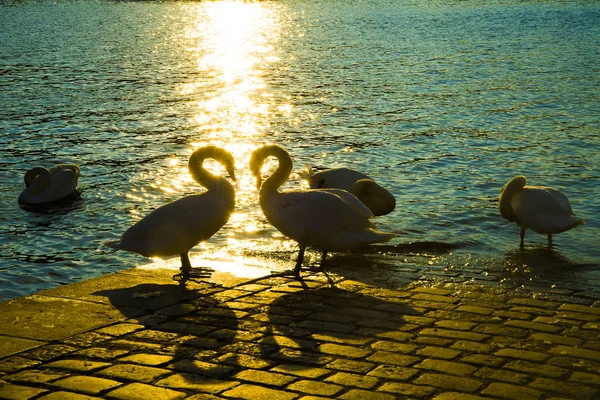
{"x":442,"y":102}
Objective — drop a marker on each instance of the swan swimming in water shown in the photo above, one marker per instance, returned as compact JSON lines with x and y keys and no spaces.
{"x":379,"y":200}
{"x":45,"y":185}
{"x":324,"y":219}
{"x":543,"y":209}
{"x":176,"y":227}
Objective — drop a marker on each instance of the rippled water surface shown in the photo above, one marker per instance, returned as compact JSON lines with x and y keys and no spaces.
{"x":441,"y":101}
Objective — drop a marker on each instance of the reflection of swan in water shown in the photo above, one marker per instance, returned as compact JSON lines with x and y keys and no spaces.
{"x":176,"y":227}
{"x":543,"y":209}
{"x":48,"y":185}
{"x":328,"y":220}
{"x":379,"y":200}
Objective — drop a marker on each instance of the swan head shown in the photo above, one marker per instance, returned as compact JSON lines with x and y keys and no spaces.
{"x":504,"y":203}
{"x":217,"y":153}
{"x":34,"y":173}
{"x":377,"y":199}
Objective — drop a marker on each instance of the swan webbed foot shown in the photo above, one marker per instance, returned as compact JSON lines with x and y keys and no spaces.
{"x":187,"y":273}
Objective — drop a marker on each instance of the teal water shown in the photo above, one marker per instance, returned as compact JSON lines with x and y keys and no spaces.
{"x":442,"y":102}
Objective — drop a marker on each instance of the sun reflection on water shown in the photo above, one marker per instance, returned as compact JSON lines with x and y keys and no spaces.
{"x":233,"y":44}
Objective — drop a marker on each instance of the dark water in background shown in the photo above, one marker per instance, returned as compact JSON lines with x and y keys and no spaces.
{"x":442,"y":102}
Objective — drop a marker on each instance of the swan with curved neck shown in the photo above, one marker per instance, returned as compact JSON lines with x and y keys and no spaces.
{"x":323,"y":219}
{"x":544,"y":210}
{"x":176,"y":227}
{"x":379,"y":200}
{"x":45,"y":185}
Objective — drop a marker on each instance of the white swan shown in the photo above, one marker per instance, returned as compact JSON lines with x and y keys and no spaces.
{"x":176,"y":227}
{"x":543,"y":209}
{"x":379,"y":200}
{"x":324,"y":219}
{"x":48,"y":185}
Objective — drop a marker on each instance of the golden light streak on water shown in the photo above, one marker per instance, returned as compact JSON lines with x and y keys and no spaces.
{"x":233,"y":44}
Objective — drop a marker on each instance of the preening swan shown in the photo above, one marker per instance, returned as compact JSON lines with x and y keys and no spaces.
{"x":543,"y":209}
{"x":324,"y":219}
{"x":379,"y":200}
{"x":176,"y":227}
{"x":48,"y":185}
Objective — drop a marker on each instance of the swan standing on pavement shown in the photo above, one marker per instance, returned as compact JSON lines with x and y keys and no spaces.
{"x":324,"y":219}
{"x":379,"y":200}
{"x":176,"y":227}
{"x":543,"y":209}
{"x":45,"y":185}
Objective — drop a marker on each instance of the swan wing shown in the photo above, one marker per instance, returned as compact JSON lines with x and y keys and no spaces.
{"x":538,"y":208}
{"x":176,"y":227}
{"x":352,"y":200}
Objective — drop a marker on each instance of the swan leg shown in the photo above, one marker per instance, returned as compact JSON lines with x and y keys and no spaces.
{"x":299,"y":262}
{"x":549,"y":240}
{"x":186,"y":266}
{"x":323,"y":257}
{"x":522,"y":237}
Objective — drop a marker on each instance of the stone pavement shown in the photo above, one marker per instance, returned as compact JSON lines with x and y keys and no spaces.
{"x":139,"y":335}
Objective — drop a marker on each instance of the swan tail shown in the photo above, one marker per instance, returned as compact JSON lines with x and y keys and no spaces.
{"x":307,"y":172}
{"x":115,"y":244}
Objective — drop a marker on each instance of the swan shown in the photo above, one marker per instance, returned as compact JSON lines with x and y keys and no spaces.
{"x":543,"y":209}
{"x":323,"y":219}
{"x":379,"y":200}
{"x":45,"y":185}
{"x":174,"y":228}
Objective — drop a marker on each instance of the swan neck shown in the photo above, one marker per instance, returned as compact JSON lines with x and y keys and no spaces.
{"x":283,"y":171}
{"x":200,"y":174}
{"x":37,"y":180}
{"x":504,"y":204}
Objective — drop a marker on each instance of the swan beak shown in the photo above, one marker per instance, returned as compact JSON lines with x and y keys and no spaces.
{"x":258,"y":182}
{"x":232,"y":176}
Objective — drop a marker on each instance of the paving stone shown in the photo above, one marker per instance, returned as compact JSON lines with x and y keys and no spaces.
{"x":315,"y":387}
{"x":434,"y":298}
{"x":342,"y":338}
{"x":566,"y":388}
{"x":393,"y":372}
{"x":452,"y":334}
{"x":407,"y":389}
{"x":508,"y":391}
{"x":201,"y":368}
{"x":438,"y":352}
{"x":448,"y":382}
{"x":264,"y":377}
{"x":100,"y":353}
{"x":252,"y":392}
{"x":17,"y":392}
{"x":133,"y":372}
{"x":556,"y":339}
{"x":244,"y":360}
{"x":522,"y":354}
{"x":61,"y":395}
{"x":457,"y":325}
{"x":305,"y":371}
{"x":577,"y":316}
{"x":502,"y":375}
{"x":16,"y":363}
{"x":134,"y":391}
{"x":483,"y":359}
{"x":584,"y":377}
{"x":146,"y":359}
{"x":196,"y":382}
{"x":502,"y":330}
{"x":537,"y":369}
{"x":341,"y":350}
{"x":526,"y":301}
{"x":359,"y":394}
{"x":120,"y":329}
{"x":86,"y":384}
{"x":476,"y":310}
{"x":77,"y":365}
{"x":475,"y":347}
{"x":458,"y":396}
{"x":387,"y":357}
{"x":35,"y":376}
{"x":348,"y":380}
{"x":576,"y":352}
{"x":432,"y":340}
{"x":580,"y":308}
{"x":534,"y":326}
{"x":49,"y":352}
{"x":446,"y":366}
{"x":350,"y":365}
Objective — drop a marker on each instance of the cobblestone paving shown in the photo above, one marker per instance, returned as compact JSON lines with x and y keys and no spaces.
{"x":341,"y":337}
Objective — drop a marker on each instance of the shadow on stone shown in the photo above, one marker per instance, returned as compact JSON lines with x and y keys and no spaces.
{"x":310,"y":327}
{"x":187,"y":325}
